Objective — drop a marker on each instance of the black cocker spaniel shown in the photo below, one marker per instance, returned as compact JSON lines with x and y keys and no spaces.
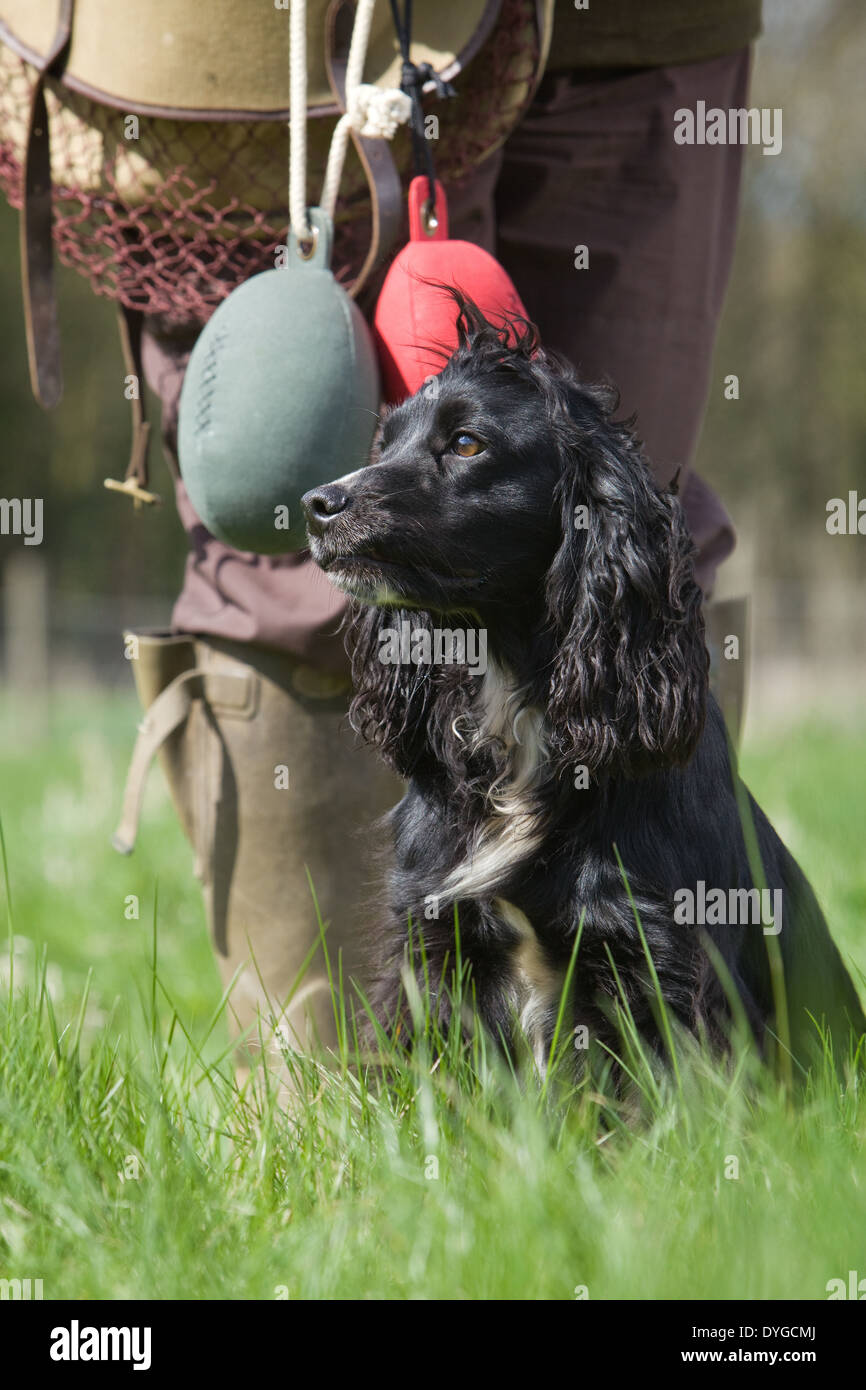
{"x":528,"y":652}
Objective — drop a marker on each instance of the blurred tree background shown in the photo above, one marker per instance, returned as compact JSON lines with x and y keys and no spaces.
{"x":793,"y":322}
{"x":792,"y":333}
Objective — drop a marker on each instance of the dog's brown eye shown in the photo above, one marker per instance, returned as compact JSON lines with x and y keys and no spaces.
{"x":467,"y":446}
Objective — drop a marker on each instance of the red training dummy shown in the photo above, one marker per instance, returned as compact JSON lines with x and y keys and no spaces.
{"x":415,"y":319}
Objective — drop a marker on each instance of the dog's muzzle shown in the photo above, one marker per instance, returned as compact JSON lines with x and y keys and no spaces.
{"x":323,"y":506}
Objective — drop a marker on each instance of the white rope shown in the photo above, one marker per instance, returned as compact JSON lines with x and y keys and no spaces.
{"x":298,"y":120}
{"x":371,"y":111}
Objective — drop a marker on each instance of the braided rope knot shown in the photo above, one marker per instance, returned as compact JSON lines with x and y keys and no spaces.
{"x":377,"y":112}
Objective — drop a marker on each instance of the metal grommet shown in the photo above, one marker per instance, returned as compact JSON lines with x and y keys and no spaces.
{"x":429,"y":219}
{"x":307,"y":245}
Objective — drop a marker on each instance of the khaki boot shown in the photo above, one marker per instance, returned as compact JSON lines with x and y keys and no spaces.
{"x":272,"y":791}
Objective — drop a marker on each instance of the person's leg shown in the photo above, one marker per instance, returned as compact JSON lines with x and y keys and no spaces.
{"x":271,"y":787}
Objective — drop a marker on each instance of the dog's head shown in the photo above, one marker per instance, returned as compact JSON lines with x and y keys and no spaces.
{"x":453,"y":512}
{"x":503,"y":489}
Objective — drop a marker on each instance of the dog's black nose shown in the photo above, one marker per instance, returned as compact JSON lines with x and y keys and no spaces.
{"x":322,"y":505}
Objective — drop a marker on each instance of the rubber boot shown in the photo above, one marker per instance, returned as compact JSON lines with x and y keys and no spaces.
{"x":273,"y":792}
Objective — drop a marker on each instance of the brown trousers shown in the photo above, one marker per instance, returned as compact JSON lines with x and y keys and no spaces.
{"x":594,"y":164}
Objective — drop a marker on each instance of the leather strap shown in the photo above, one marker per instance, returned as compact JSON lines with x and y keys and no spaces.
{"x":386,"y":194}
{"x":37,"y":249}
{"x":230,"y":690}
{"x":135,"y":483}
{"x":544,"y":31}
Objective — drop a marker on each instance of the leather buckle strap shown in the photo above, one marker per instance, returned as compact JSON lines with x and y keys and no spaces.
{"x":135,"y":483}
{"x":386,"y":197}
{"x":232,"y":691}
{"x":37,"y":248}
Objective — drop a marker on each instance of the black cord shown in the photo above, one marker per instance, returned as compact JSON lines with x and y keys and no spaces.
{"x":413,"y":78}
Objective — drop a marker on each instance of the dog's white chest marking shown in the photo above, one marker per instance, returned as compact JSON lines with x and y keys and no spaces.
{"x":536,"y":986}
{"x":511,"y":832}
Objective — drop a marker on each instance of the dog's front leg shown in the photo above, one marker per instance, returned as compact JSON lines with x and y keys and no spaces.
{"x":455,"y":959}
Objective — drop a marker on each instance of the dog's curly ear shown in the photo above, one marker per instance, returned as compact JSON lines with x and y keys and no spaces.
{"x":385,"y":707}
{"x":629,"y":681}
{"x":406,"y":710}
{"x":410,"y":712}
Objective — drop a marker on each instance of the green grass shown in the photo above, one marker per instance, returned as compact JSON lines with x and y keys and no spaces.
{"x":455,"y":1182}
